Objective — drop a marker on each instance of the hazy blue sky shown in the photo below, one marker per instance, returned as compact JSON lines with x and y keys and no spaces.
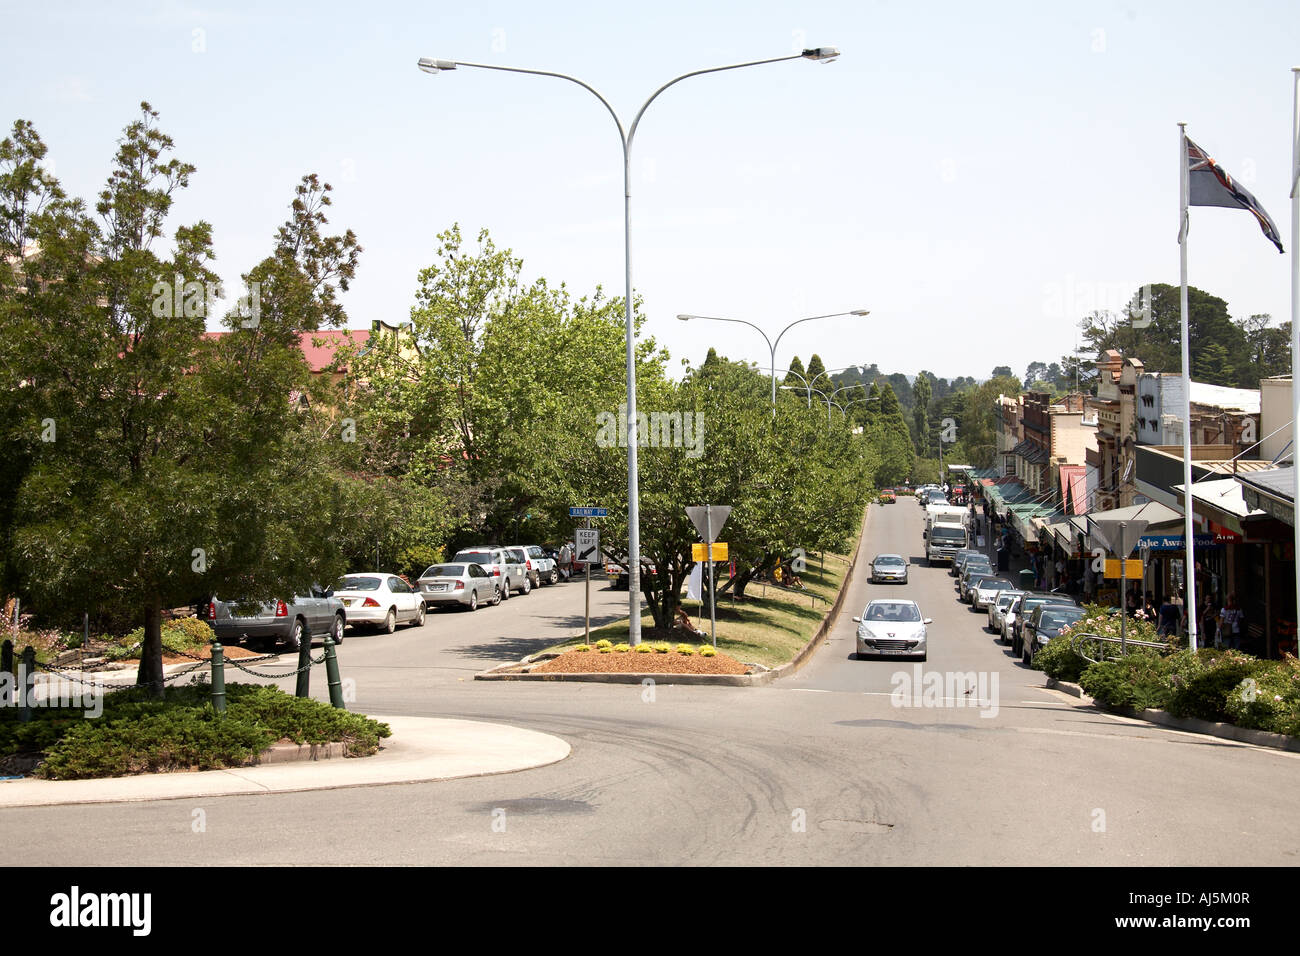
{"x":979,"y":176}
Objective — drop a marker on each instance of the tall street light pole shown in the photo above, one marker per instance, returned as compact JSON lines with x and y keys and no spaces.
{"x":430,"y":65}
{"x":771,"y":346}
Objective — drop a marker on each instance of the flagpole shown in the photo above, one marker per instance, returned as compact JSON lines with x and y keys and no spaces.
{"x":1295,"y":325}
{"x":1189,"y":570}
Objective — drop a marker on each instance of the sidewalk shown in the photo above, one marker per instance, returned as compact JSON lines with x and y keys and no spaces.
{"x":421,"y":749}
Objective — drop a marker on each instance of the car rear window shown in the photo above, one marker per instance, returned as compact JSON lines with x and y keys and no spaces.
{"x":476,"y":557}
{"x":444,"y":571}
{"x":359,"y":583}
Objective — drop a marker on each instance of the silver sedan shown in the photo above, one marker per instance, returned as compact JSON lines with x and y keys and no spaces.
{"x":888,"y":567}
{"x":892,"y":628}
{"x":467,"y":585}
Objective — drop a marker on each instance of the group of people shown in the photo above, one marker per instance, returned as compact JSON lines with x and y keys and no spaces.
{"x":1221,"y":626}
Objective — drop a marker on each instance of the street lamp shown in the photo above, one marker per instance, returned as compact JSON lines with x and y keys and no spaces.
{"x":430,"y":65}
{"x":770,"y":344}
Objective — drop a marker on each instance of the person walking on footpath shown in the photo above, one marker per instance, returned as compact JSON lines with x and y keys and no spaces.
{"x":1231,"y":625}
{"x":566,"y":561}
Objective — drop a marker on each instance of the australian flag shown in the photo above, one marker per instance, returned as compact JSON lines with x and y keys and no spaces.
{"x":1209,"y":185}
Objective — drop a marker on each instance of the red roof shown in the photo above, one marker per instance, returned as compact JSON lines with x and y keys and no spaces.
{"x":319,"y":357}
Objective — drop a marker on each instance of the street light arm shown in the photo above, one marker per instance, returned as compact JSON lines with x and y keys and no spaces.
{"x":833,"y":315}
{"x":686,"y":76}
{"x":716,"y":318}
{"x":622,"y":135}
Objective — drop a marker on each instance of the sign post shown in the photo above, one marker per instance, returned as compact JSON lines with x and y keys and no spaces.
{"x":586,"y":545}
{"x":703,"y":519}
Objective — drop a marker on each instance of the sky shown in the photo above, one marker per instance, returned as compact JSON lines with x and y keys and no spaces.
{"x":978,"y":176}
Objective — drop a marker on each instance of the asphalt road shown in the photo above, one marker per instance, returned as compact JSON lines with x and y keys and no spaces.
{"x":821,"y":768}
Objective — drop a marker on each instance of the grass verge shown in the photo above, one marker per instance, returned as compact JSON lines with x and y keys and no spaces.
{"x":768,"y":627}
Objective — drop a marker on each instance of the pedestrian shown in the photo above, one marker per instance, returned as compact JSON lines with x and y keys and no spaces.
{"x":566,"y":561}
{"x":1231,"y":624}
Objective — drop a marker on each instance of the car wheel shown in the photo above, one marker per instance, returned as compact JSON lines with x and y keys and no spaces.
{"x":554,"y":577}
{"x":419,"y":615}
{"x":473,"y":600}
{"x":336,"y":631}
{"x":505,"y":587}
{"x":390,"y":621}
{"x":294,"y":640}
{"x":528,"y":584}
{"x":496,"y":594}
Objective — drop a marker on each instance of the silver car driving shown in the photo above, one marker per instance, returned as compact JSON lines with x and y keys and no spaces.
{"x":892,"y":628}
{"x":467,"y":585}
{"x":888,"y":567}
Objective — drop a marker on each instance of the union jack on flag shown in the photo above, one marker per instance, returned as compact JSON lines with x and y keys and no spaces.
{"x":1209,"y":185}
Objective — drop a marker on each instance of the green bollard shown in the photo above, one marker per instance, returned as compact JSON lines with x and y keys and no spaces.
{"x":332,"y":674}
{"x":303,"y":688}
{"x":26,"y":683}
{"x":218,"y":678}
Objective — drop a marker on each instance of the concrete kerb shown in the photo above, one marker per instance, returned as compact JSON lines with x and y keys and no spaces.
{"x":514,"y":671}
{"x":1192,"y":725}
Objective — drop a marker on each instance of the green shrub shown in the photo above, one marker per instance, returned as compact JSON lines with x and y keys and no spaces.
{"x":137,"y":734}
{"x":1201,"y":683}
{"x":708,"y":652}
{"x":1058,"y":660}
{"x":1137,"y":681}
{"x":603,"y":644}
{"x":1271,"y":702}
{"x":583,"y":647}
{"x":662,"y":647}
{"x":644,"y":649}
{"x":622,"y":648}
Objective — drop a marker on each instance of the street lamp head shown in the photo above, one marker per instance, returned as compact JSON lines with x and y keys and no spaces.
{"x":860,"y":312}
{"x":823,"y":53}
{"x":430,"y":65}
{"x":685,"y":318}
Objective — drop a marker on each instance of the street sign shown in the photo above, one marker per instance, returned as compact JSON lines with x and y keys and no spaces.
{"x":588,"y":512}
{"x":709,"y":525}
{"x":1134,"y":569}
{"x":587,"y":545}
{"x":719,"y":549}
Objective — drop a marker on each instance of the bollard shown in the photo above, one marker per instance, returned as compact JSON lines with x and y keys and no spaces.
{"x":7,"y":667}
{"x":218,"y":678}
{"x":26,"y":683}
{"x":303,"y":688}
{"x":332,"y":674}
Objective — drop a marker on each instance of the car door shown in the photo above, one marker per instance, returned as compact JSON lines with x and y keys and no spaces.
{"x":401,"y":598}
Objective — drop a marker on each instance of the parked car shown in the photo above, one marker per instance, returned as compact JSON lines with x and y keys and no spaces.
{"x":959,"y":558}
{"x":985,"y":589}
{"x":465,"y":585}
{"x":976,"y":566}
{"x":888,"y":567}
{"x":1025,"y":609}
{"x":997,"y":608}
{"x":505,"y":571}
{"x":892,"y":628}
{"x":523,"y":580}
{"x":289,"y":622}
{"x":1045,"y":623}
{"x":540,"y":566}
{"x":379,"y":600}
{"x":887,"y":496}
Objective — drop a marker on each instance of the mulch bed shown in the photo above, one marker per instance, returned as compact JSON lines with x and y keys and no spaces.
{"x":205,"y":652}
{"x":632,"y":662}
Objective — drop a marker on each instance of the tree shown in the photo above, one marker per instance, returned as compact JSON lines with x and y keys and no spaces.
{"x":817,"y":377}
{"x":176,"y":467}
{"x":1002,"y":371}
{"x":1034,"y":372}
{"x":921,"y":413}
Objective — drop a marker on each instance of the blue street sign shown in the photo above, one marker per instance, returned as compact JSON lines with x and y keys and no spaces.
{"x":588,"y":512}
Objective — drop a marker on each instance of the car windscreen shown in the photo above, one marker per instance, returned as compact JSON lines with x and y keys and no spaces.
{"x":893,"y":612}
{"x":889,"y":559}
{"x":358,"y":583}
{"x":1054,"y":620}
{"x":444,"y":571}
{"x":476,"y":557}
{"x":948,"y":533}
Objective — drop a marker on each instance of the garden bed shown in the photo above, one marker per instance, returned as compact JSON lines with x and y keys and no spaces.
{"x":669,"y":661}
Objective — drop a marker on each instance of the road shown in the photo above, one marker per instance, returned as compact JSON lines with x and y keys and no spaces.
{"x":819,"y":768}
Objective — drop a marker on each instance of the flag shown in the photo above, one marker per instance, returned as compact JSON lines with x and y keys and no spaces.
{"x":1209,"y":185}
{"x":695,"y":583}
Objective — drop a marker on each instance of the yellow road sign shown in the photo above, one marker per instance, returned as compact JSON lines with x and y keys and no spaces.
{"x":1133,"y":572}
{"x":719,"y":551}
